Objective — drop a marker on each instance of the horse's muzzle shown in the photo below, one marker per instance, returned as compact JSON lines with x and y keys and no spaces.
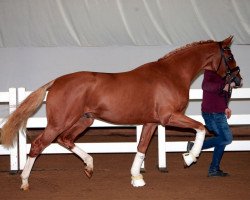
{"x":238,"y":81}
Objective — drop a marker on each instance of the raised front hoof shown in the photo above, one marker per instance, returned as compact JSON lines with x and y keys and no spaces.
{"x":137,"y":181}
{"x":189,"y":158}
{"x":88,"y":172}
{"x":25,"y":187}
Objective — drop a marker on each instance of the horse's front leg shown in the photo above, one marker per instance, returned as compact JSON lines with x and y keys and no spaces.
{"x":180,"y":120}
{"x":147,"y":132}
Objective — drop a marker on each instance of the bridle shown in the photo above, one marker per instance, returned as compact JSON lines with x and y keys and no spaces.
{"x":230,"y":75}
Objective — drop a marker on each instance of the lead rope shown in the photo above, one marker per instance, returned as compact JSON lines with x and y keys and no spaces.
{"x":229,"y":92}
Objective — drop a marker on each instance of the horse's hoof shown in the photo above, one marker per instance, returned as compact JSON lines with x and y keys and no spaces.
{"x":188,"y":159}
{"x":25,"y":187}
{"x":137,"y":181}
{"x":88,"y":172}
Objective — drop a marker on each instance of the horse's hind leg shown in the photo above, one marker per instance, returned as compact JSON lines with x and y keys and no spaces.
{"x":147,"y":132}
{"x":26,"y":172}
{"x":67,"y":139}
{"x":37,"y":146}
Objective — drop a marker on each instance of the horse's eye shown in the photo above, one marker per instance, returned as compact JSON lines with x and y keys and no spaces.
{"x":230,"y":58}
{"x":226,"y":49}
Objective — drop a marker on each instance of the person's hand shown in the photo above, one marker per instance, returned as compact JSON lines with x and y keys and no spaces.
{"x":226,"y":87}
{"x":232,"y":85}
{"x":228,"y":112}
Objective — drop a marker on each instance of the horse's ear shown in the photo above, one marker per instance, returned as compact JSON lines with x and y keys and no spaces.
{"x":228,"y":41}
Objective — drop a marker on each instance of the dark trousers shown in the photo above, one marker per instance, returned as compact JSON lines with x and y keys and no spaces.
{"x":217,"y":124}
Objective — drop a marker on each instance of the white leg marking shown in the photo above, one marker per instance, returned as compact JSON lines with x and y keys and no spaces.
{"x":26,"y":172}
{"x":199,"y":139}
{"x":137,"y":178}
{"x":84,"y":156}
{"x":190,"y":157}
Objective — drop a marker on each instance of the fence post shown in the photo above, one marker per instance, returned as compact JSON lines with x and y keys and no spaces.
{"x":161,"y":149}
{"x":22,"y":135}
{"x":14,"y":149}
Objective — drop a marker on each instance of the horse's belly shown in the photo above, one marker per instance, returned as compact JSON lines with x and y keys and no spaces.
{"x":121,"y":114}
{"x":122,"y":99}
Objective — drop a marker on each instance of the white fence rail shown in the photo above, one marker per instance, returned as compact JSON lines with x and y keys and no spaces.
{"x":180,"y":146}
{"x":10,"y":99}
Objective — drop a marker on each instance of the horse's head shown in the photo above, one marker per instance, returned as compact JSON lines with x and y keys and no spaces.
{"x":227,"y":67}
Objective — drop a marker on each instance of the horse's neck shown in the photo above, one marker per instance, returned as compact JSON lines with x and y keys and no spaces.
{"x":186,"y":66}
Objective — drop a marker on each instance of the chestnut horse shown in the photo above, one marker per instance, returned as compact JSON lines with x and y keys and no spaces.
{"x":152,"y":94}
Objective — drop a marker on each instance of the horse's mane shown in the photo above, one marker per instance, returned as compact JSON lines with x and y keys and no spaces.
{"x":185,"y":47}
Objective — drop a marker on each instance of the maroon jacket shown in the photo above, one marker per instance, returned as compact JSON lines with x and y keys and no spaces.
{"x":215,"y":99}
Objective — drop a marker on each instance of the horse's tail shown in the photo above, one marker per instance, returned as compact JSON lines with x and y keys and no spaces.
{"x":18,"y":119}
